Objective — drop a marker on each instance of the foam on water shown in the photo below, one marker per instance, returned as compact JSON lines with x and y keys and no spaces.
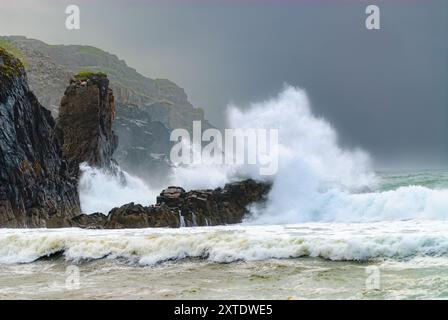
{"x":361,"y":241}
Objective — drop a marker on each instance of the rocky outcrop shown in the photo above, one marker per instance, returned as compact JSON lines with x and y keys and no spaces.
{"x":85,"y":122}
{"x":36,"y":187}
{"x":177,"y":208}
{"x":220,"y":206}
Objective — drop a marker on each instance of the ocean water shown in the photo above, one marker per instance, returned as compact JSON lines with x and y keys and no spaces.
{"x":385,"y":259}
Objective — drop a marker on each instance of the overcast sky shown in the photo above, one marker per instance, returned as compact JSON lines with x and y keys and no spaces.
{"x":384,"y":90}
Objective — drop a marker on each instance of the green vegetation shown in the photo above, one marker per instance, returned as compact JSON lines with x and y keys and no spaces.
{"x":91,"y":50}
{"x":85,"y":75}
{"x":9,"y":66}
{"x":9,"y":47}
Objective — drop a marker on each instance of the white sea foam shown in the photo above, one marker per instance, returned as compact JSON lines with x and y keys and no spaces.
{"x":101,"y":191}
{"x":362,"y":241}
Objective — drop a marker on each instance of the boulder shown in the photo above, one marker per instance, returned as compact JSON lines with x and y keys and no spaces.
{"x":172,"y":196}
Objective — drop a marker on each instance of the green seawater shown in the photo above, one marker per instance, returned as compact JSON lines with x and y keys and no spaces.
{"x":432,"y":179}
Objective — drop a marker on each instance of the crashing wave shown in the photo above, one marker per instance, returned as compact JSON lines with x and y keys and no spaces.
{"x":357,"y":242}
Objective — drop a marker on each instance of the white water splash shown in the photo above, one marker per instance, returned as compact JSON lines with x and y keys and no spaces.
{"x":182,"y":223}
{"x":101,"y":191}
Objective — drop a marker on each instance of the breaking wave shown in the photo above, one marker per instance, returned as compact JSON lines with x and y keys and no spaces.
{"x":317,"y":179}
{"x":357,"y":242}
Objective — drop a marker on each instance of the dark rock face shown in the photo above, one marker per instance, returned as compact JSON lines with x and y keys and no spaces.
{"x":85,"y":122}
{"x":36,"y":188}
{"x":177,"y":208}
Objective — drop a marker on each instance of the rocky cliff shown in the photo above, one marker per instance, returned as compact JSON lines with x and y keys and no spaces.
{"x":161,"y":101}
{"x":85,"y":122}
{"x":36,"y":188}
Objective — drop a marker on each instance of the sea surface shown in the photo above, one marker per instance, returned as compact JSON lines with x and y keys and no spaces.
{"x":384,"y":258}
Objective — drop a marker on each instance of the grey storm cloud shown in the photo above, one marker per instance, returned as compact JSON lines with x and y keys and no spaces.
{"x":383,"y":90}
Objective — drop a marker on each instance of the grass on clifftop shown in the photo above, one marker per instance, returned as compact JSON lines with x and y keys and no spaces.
{"x":91,"y":50}
{"x":9,"y":65}
{"x":85,"y":75}
{"x":12,"y":49}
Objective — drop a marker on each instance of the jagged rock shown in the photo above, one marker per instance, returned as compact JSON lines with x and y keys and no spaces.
{"x":175,"y":208}
{"x":172,"y":196}
{"x":36,"y":188}
{"x":226,"y":205}
{"x":89,"y":221}
{"x":137,"y":216}
{"x":85,"y":122}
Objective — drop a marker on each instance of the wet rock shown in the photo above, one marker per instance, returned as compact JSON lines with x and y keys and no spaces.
{"x":36,"y":187}
{"x":172,"y":196}
{"x":85,"y":122}
{"x":226,"y":205}
{"x":137,"y":216}
{"x":89,"y":221}
{"x":176,"y":208}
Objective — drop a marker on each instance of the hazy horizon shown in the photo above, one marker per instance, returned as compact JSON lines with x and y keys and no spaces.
{"x":385,"y":91}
